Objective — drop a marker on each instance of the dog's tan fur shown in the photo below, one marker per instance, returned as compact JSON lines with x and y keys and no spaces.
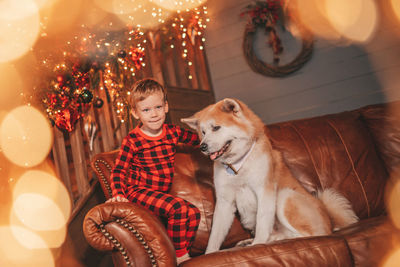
{"x":270,"y":201}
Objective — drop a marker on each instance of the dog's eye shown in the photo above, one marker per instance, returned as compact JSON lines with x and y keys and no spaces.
{"x":203,"y":132}
{"x":216,"y":128}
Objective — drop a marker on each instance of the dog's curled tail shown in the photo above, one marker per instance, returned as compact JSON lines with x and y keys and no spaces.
{"x":338,"y":207}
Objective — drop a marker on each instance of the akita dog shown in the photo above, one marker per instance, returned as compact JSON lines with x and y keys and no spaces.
{"x":250,"y":177}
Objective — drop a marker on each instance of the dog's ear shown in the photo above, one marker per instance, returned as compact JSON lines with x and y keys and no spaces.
{"x":231,"y":105}
{"x":192,"y":122}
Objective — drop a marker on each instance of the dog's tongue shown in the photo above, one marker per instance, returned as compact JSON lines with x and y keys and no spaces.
{"x":213,"y":155}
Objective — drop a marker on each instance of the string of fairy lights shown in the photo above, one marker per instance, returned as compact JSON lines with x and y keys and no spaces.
{"x":110,"y":62}
{"x":195,"y":27}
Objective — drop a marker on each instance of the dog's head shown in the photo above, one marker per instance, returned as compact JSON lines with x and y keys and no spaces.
{"x":227,"y":129}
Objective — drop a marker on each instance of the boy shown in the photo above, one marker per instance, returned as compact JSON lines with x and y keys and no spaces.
{"x":148,"y":152}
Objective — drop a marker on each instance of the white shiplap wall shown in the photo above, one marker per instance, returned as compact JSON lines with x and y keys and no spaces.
{"x":337,"y":78}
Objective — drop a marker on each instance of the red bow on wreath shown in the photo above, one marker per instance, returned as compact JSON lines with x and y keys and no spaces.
{"x":266,"y":14}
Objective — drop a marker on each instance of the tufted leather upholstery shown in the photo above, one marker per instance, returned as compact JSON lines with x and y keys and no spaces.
{"x":354,"y":152}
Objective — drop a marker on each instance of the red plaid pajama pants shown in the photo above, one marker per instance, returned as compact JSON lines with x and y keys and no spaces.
{"x":183,"y":218}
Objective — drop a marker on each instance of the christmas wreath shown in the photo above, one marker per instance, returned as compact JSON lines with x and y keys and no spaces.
{"x":267,"y":15}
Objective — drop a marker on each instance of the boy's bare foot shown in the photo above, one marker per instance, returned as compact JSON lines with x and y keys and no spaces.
{"x":185,"y":257}
{"x":117,"y":199}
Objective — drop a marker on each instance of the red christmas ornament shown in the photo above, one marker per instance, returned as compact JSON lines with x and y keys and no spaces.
{"x":60,"y":79}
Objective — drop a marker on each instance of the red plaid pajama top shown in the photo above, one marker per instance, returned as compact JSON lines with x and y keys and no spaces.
{"x":146,"y":161}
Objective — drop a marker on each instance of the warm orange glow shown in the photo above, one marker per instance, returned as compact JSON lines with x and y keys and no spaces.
{"x":179,"y":4}
{"x":105,"y":5}
{"x":393,"y":259}
{"x":18,"y":247}
{"x":396,"y":8}
{"x":147,"y":15}
{"x":10,"y":86}
{"x":61,"y":16}
{"x":311,"y":14}
{"x":25,"y":136}
{"x":140,"y":12}
{"x":19,"y":28}
{"x":355,"y":20}
{"x":393,"y":203}
{"x":93,"y":15}
{"x":44,"y":3}
{"x":119,"y":7}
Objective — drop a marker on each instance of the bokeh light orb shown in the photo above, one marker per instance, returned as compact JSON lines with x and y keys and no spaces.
{"x":38,"y":212}
{"x":47,"y":197}
{"x":41,"y":203}
{"x":14,"y":10}
{"x":356,"y":20}
{"x":312,"y":15}
{"x":19,"y":28}
{"x":25,"y":136}
{"x":19,"y":216}
{"x":393,"y":259}
{"x":396,"y":8}
{"x":23,"y":248}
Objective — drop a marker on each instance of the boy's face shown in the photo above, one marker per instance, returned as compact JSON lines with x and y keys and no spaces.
{"x":151,"y":112}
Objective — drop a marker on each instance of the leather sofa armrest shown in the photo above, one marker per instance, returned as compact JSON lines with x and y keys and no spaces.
{"x":133,"y":235}
{"x":102,"y":164}
{"x":310,"y":251}
{"x":371,"y":241}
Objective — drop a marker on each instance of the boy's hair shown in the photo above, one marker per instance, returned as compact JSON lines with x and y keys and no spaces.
{"x":143,"y":88}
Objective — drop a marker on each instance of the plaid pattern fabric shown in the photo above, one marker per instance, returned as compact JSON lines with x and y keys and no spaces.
{"x":149,"y":160}
{"x":183,"y":218}
{"x":143,"y":173}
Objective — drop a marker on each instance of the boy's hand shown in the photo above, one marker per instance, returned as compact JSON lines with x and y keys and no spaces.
{"x":117,"y":199}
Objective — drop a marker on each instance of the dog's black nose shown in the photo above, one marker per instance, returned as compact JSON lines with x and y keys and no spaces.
{"x":203,"y":147}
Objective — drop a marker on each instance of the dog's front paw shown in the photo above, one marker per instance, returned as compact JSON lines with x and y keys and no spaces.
{"x":244,"y":243}
{"x":210,"y":250}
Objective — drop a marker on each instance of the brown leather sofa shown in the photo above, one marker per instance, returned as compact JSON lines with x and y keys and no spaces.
{"x":355,"y":152}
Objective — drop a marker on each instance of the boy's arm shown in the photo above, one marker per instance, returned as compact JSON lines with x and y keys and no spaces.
{"x":122,"y":164}
{"x":187,"y":137}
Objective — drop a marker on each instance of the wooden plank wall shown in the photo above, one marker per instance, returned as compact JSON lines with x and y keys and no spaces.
{"x":338,"y":77}
{"x":71,"y":152}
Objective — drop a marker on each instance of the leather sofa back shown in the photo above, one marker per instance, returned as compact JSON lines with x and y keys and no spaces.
{"x":383,"y":121}
{"x":335,"y":151}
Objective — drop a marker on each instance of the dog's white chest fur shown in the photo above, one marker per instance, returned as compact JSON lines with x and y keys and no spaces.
{"x":242,"y":188}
